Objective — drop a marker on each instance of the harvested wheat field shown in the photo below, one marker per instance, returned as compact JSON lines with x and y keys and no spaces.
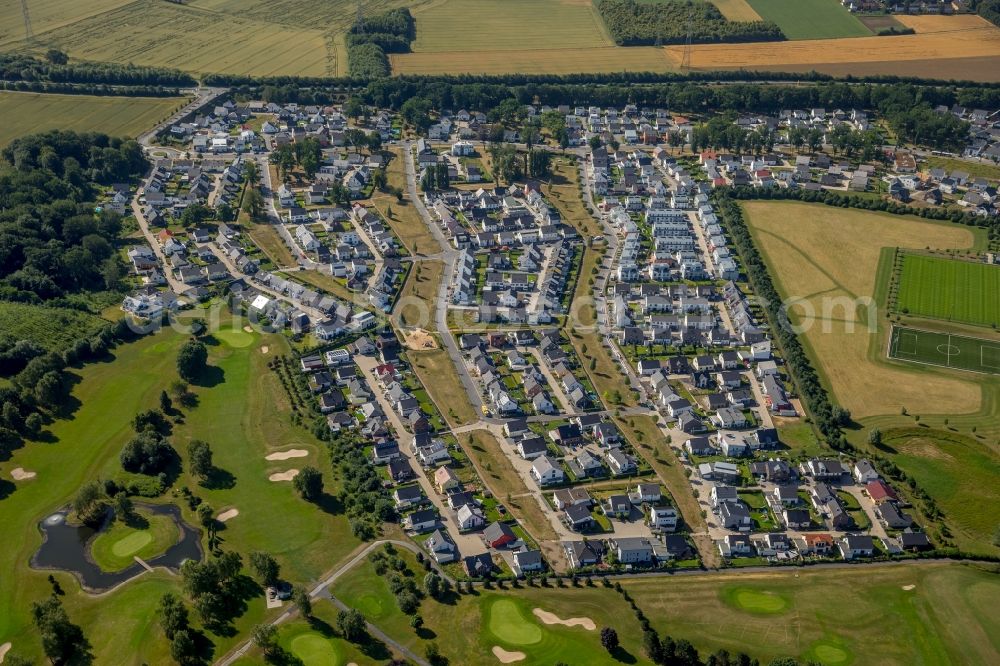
{"x":737,"y":10}
{"x":937,"y":43}
{"x":535,"y":61}
{"x":825,"y":262}
{"x":926,"y":23}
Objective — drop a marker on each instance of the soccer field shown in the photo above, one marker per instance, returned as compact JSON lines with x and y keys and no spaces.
{"x":951,"y":289}
{"x":945,"y":350}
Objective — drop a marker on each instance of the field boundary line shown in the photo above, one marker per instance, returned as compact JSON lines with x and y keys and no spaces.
{"x":982,"y":356}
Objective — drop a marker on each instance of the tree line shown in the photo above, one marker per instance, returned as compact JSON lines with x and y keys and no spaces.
{"x":100,"y":90}
{"x":18,"y":67}
{"x":633,"y":23}
{"x":372,"y":37}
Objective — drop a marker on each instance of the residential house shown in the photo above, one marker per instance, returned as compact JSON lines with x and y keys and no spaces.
{"x":499,"y":535}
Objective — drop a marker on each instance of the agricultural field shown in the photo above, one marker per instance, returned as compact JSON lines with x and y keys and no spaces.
{"x":949,"y":289}
{"x":919,"y":614}
{"x":949,"y":47}
{"x":27,"y":113}
{"x":737,"y":10}
{"x":49,"y":14}
{"x":811,"y":19}
{"x":945,"y":350}
{"x":244,"y":415}
{"x":481,"y":25}
{"x":197,"y":40}
{"x":828,"y":261}
{"x":536,"y":61}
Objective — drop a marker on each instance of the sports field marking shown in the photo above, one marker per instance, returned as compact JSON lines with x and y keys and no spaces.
{"x":944,"y":350}
{"x":911,"y":338}
{"x":948,"y":350}
{"x":989,"y":357}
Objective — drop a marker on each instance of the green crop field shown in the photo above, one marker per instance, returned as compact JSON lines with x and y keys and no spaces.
{"x":811,"y":19}
{"x":480,"y":25}
{"x":53,"y":328}
{"x":945,"y":349}
{"x":962,"y":291}
{"x":27,"y":113}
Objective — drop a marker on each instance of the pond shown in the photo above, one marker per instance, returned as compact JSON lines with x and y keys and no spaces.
{"x":66,"y":547}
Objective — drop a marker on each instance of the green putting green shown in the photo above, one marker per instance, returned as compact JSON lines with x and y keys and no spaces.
{"x":234,"y":337}
{"x":314,"y":650}
{"x":131,"y":544}
{"x":830,"y":653}
{"x":370,"y":605}
{"x":509,"y":624}
{"x":116,"y":547}
{"x":755,"y":601}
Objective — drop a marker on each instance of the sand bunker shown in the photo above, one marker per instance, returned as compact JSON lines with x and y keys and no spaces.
{"x":265,"y":349}
{"x":228,"y":514}
{"x":284,"y":476}
{"x":418,"y":338}
{"x":909,"y":587}
{"x":248,"y":329}
{"x":21,"y":474}
{"x":507,"y":657}
{"x":3,"y":650}
{"x":285,"y":455}
{"x":551,"y":618}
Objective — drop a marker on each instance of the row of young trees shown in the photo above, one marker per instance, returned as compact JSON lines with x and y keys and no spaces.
{"x":631,"y":23}
{"x":829,"y":418}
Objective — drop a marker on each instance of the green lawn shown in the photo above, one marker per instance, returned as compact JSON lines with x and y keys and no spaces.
{"x":27,"y":113}
{"x":369,"y":592}
{"x":864,"y":615}
{"x":243,"y":417}
{"x":468,"y":631}
{"x":811,"y":19}
{"x":941,"y":288}
{"x":960,"y":473}
{"x":974,"y":168}
{"x":115,"y":548}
